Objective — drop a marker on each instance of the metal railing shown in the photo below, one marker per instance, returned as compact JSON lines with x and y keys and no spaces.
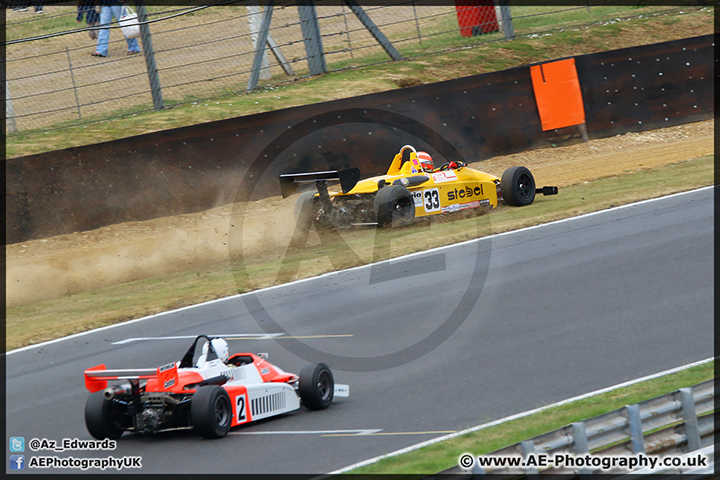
{"x":673,"y":424}
{"x":192,"y":54}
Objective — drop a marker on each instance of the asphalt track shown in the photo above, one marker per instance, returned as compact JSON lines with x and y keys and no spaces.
{"x":563,"y":309}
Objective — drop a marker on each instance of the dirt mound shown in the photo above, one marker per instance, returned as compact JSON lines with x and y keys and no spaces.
{"x":48,"y":268}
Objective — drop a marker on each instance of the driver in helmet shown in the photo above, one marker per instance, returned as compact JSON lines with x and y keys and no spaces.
{"x":221,"y":348}
{"x":426,"y":161}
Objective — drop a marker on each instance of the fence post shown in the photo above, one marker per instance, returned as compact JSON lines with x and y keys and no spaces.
{"x":149,"y":54}
{"x":528,"y":448}
{"x":636,"y":432}
{"x":72,"y":77}
{"x":255,"y":18}
{"x":580,"y":437}
{"x":580,"y":443}
{"x":9,"y":112}
{"x":260,"y":48}
{"x":417,"y":24}
{"x":477,"y":469}
{"x":275,"y":49}
{"x":347,"y":30}
{"x":311,"y":37}
{"x":692,"y":432}
{"x":374,"y":30}
{"x":506,"y":20}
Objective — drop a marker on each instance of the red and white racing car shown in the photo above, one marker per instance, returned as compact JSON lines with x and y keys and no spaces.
{"x":210,"y":393}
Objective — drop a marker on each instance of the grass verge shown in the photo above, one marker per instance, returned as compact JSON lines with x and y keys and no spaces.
{"x":443,"y":455}
{"x":33,"y":323}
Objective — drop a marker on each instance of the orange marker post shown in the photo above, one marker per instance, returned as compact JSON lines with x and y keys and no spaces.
{"x":557,"y":94}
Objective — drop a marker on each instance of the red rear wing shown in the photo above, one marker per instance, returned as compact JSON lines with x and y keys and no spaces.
{"x":96,"y":377}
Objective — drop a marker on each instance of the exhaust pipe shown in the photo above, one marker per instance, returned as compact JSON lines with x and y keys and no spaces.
{"x":111,"y":392}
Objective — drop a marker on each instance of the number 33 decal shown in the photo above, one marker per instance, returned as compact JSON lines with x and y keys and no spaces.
{"x":431,"y":200}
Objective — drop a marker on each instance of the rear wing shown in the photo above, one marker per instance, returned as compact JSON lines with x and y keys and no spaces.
{"x":96,"y":377}
{"x":348,"y":179}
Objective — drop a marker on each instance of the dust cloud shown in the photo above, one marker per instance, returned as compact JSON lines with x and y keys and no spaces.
{"x":44,"y":269}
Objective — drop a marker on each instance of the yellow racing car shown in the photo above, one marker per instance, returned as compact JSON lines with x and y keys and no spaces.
{"x":412,"y":188}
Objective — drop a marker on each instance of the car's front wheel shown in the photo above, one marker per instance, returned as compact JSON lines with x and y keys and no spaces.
{"x":394,"y":206}
{"x":103,"y":418}
{"x":517,"y":187}
{"x":211,"y":411}
{"x":316,"y":386}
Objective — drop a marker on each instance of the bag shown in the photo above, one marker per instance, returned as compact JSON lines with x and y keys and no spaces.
{"x":129,"y":23}
{"x":93,"y":33}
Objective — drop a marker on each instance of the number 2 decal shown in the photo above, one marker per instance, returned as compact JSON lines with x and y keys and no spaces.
{"x":240,"y":401}
{"x":431,"y":199}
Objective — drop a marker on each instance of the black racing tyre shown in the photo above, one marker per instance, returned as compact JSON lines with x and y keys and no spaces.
{"x":517,"y":187}
{"x":103,"y":418}
{"x":316,"y":386}
{"x":394,"y":206}
{"x":306,"y":207}
{"x":211,"y":411}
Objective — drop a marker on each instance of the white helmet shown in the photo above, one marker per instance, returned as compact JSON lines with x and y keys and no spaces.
{"x":221,"y":348}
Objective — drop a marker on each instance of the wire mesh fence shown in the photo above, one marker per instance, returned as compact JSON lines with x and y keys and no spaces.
{"x":194,"y":53}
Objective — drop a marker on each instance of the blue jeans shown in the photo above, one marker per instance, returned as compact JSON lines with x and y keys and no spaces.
{"x":106,"y":15}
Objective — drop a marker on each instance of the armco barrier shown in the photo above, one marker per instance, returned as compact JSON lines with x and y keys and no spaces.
{"x":673,"y":424}
{"x":195,"y":168}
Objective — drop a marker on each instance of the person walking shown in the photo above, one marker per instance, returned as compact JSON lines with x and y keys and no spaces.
{"x":108,"y":10}
{"x":86,"y":8}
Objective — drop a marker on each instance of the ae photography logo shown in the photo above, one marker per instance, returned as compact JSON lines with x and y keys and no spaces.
{"x":591,"y":463}
{"x":17,"y":462}
{"x":400,"y":309}
{"x":42,"y":461}
{"x":17,"y":444}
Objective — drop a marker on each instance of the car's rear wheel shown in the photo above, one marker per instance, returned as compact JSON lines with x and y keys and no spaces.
{"x":517,"y":187}
{"x":211,"y":412}
{"x":316,"y":386}
{"x":103,"y":418}
{"x":394,"y":206}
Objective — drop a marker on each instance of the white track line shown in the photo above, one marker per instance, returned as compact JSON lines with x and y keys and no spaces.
{"x":489,"y":237}
{"x":515,"y":417}
{"x":354,"y":433}
{"x":188,"y":337}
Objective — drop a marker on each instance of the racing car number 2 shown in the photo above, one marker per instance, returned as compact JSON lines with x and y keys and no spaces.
{"x":240,"y":404}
